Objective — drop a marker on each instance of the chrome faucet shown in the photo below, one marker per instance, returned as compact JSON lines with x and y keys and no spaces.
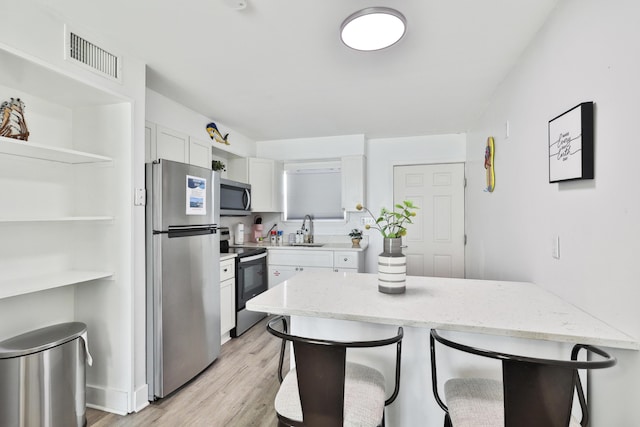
{"x":310,"y":235}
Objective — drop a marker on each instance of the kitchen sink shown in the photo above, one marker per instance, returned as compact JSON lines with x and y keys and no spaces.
{"x":309,"y":245}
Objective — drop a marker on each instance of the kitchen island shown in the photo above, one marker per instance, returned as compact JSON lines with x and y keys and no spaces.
{"x":349,"y":306}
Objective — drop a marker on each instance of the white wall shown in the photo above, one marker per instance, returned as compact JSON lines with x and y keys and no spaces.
{"x":312,"y":148}
{"x":588,"y":51}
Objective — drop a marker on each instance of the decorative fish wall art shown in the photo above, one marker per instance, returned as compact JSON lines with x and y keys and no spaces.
{"x":13,"y":124}
{"x":215,"y":134}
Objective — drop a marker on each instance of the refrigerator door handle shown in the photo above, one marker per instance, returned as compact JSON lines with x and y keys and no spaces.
{"x":186,"y":231}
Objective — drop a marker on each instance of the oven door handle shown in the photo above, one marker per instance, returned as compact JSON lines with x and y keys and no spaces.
{"x":252,"y":258}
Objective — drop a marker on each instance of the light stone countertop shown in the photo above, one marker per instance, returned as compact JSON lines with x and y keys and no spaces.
{"x":224,"y":257}
{"x":513,"y":309}
{"x":328,"y":246}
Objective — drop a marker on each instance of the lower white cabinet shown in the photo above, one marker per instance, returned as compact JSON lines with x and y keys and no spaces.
{"x":284,"y":264}
{"x":280,"y":273}
{"x":227,"y":297}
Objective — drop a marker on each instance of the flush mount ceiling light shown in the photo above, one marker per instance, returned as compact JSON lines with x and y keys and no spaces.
{"x":373,"y":28}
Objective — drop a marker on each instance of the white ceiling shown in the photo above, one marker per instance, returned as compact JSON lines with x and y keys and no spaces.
{"x":278,"y":69}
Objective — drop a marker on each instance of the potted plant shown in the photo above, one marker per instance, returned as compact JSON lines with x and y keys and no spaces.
{"x":356,"y":236}
{"x":217,"y":165}
{"x":392,"y":264}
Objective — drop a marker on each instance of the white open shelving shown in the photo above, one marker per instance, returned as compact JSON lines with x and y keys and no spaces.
{"x":59,"y":219}
{"x":59,"y":201}
{"x":36,"y":283}
{"x":54,"y":154}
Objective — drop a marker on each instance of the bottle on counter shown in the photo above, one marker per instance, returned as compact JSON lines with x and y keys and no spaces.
{"x":273,"y":237}
{"x":279,"y":238}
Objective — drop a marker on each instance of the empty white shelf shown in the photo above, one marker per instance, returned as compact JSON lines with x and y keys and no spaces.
{"x":15,"y":287}
{"x":53,"y":154}
{"x":59,"y":219}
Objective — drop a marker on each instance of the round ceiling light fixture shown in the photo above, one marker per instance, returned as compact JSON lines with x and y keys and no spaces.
{"x":373,"y":28}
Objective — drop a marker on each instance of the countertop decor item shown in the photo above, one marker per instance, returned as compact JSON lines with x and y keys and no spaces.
{"x":391,"y":223}
{"x":392,"y":263}
{"x":356,"y":236}
{"x":12,"y":122}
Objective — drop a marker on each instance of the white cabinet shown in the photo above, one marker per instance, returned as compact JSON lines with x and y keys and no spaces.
{"x":349,"y":261}
{"x":284,"y":263}
{"x":353,"y":169}
{"x":164,"y":143}
{"x":200,"y":153}
{"x":171,"y":145}
{"x":265,"y":177}
{"x":227,"y":297}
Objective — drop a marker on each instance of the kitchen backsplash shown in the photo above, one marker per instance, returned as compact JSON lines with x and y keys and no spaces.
{"x":332,"y":230}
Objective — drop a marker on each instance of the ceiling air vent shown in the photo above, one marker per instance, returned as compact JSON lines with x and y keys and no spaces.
{"x":92,"y":56}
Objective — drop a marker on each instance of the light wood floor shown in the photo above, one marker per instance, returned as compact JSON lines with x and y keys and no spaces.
{"x":238,"y":389}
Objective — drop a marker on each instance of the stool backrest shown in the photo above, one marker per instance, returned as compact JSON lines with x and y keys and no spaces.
{"x":537,"y":392}
{"x":320,"y":369}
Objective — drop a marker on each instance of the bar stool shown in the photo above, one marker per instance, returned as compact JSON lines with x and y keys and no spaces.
{"x":533,"y":392}
{"x":324,"y":390}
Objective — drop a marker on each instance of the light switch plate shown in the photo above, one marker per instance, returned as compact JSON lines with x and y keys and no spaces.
{"x":555,"y":249}
{"x":140,"y":198}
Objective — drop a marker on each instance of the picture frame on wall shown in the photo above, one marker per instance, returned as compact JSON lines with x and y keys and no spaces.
{"x":571,"y":144}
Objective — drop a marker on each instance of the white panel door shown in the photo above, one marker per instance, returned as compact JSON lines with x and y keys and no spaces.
{"x":435,"y":240}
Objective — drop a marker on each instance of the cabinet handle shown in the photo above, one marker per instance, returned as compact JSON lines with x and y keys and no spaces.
{"x":226,"y":269}
{"x":346,"y":259}
{"x":301,"y":268}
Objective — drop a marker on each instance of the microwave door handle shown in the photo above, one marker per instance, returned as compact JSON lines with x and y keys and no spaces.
{"x":247,"y":197}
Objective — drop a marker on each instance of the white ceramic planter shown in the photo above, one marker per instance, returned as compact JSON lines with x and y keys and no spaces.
{"x":392,"y":267}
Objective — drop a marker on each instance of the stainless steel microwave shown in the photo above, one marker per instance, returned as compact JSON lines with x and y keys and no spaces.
{"x":235,"y":198}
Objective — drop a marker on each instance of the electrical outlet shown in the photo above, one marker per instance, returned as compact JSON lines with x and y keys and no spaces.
{"x":366,"y":220}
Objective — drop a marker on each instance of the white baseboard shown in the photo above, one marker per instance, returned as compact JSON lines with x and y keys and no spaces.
{"x":141,"y":397}
{"x":109,"y":400}
{"x":225,"y":337}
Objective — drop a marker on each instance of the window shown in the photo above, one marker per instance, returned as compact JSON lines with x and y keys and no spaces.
{"x":313,"y":188}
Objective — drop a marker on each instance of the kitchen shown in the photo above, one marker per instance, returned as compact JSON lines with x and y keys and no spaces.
{"x":499,"y":245}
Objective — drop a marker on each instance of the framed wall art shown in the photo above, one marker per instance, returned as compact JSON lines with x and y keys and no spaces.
{"x":571,"y":144}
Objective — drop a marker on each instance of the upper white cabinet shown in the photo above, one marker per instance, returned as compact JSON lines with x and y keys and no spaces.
{"x":265,"y":177}
{"x":171,"y":145}
{"x":165,"y":143}
{"x":199,"y":152}
{"x":353,"y":170}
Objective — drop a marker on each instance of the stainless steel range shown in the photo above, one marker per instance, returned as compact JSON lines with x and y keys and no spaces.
{"x":251,"y":279}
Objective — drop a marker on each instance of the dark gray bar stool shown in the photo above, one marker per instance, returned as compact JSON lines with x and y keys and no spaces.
{"x":324,"y":390}
{"x":533,"y":392}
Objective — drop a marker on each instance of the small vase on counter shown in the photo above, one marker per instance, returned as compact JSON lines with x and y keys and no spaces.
{"x":392,"y":267}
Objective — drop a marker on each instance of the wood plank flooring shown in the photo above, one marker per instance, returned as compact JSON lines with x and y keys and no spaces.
{"x":238,"y":389}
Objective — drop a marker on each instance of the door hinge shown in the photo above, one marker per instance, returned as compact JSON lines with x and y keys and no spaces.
{"x":465,"y":239}
{"x":464,"y":183}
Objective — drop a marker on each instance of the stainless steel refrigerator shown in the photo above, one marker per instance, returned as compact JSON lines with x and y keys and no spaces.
{"x":183,"y":273}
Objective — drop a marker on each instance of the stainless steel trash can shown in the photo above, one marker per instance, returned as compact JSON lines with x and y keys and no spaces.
{"x":42,"y":377}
